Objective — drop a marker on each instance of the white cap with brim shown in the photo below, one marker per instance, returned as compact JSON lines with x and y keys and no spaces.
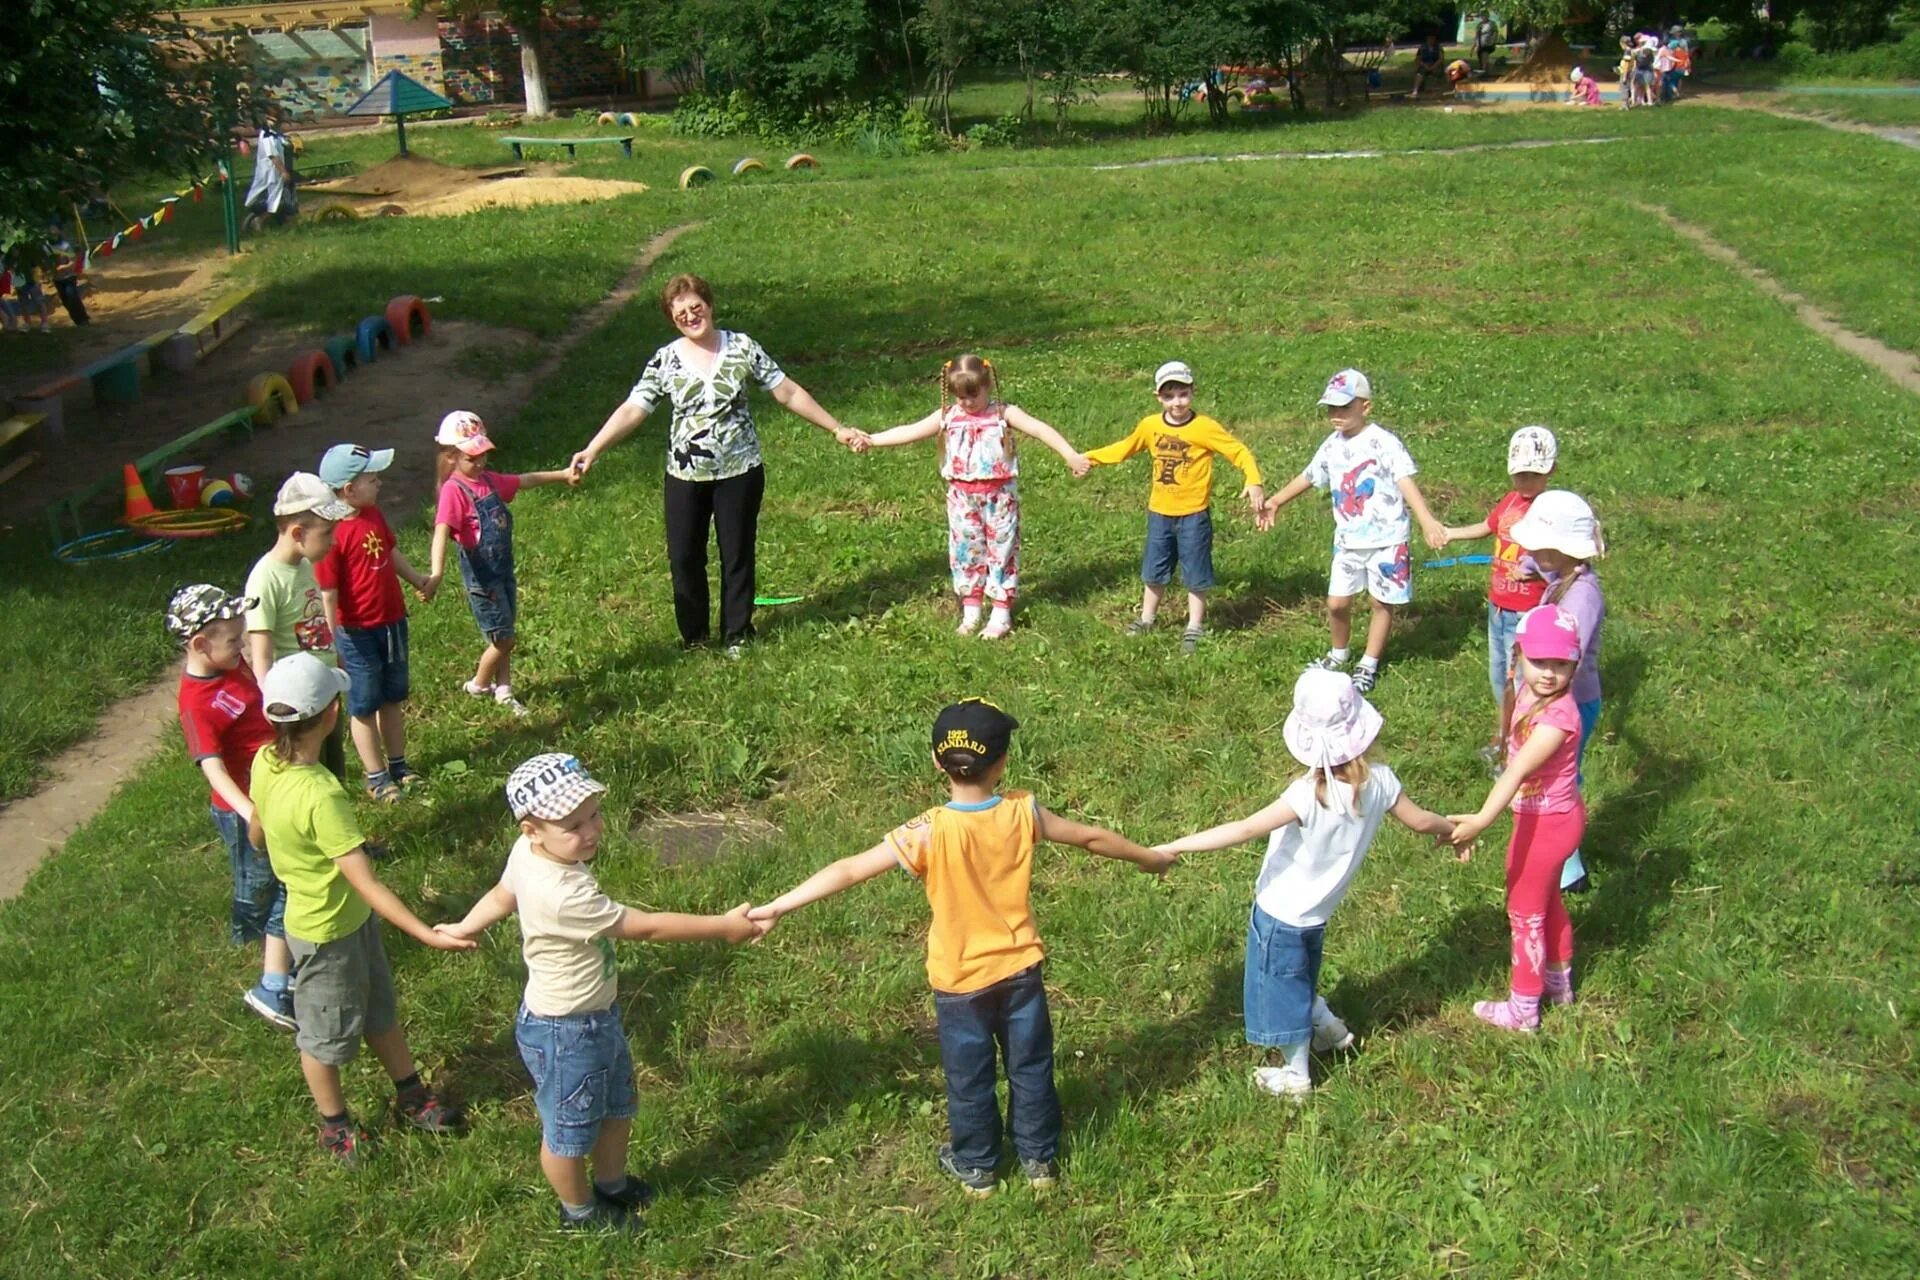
{"x":1172,"y":371}
{"x":306,"y":492}
{"x":302,"y":684}
{"x":1345,"y":387}
{"x":1532,"y":449}
{"x":1560,"y":521}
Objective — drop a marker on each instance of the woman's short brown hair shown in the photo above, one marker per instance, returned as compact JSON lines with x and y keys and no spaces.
{"x":684,"y":283}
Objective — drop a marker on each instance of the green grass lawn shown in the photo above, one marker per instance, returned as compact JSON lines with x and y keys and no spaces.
{"x":1861,"y":108}
{"x":1736,"y":1092}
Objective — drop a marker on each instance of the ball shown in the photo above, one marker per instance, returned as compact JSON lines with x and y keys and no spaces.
{"x":216,"y":493}
{"x":242,"y":485}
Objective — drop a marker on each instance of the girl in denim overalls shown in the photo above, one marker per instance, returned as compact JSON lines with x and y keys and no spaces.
{"x":473,"y":515}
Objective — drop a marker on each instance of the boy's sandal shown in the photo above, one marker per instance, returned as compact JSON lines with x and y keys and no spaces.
{"x":429,"y":1111}
{"x":348,"y":1143}
{"x":410,"y":781}
{"x":386,"y":793}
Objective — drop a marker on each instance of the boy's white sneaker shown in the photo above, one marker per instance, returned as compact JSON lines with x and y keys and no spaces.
{"x":1283,"y":1082}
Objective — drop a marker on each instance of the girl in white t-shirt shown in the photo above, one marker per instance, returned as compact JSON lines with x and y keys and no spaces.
{"x":1321,"y":828}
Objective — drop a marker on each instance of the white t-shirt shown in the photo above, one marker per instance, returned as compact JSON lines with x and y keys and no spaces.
{"x":1310,"y":862}
{"x":1363,"y":472}
{"x":564,"y":918}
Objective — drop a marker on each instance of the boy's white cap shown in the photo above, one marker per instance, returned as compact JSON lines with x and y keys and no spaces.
{"x":1330,"y":724}
{"x":1532,"y":449}
{"x":302,"y":683}
{"x":304,"y":492}
{"x":1172,"y":371}
{"x":1345,"y":387}
{"x":1563,"y":522}
{"x":550,"y":786}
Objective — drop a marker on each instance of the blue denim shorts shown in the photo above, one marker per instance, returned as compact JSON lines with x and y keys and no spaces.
{"x":582,"y":1075}
{"x":1283,"y":967}
{"x":496,"y":606}
{"x":1185,"y":539}
{"x":259,"y":899}
{"x":1503,"y":628}
{"x":375,"y":659}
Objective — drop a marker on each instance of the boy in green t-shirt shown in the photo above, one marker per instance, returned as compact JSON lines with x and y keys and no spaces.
{"x":342,"y":990}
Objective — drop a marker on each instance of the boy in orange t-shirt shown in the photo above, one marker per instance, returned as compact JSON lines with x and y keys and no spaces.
{"x":974,"y":855}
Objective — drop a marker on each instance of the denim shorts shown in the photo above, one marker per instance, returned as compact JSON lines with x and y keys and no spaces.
{"x":259,"y":899}
{"x":1503,"y":628}
{"x":1186,"y":539}
{"x":495,"y":606}
{"x":1283,"y":966}
{"x":582,"y":1075}
{"x":342,"y":993}
{"x":375,"y":659}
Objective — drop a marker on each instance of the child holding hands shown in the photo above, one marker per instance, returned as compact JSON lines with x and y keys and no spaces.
{"x":974,"y":855}
{"x":1319,"y":831}
{"x":568,"y":1029}
{"x":981,"y":470}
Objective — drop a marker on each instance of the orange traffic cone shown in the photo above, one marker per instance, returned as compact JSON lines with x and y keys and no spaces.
{"x":138,"y":503}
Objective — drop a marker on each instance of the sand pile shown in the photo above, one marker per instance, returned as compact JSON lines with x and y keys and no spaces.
{"x":1549,"y":63}
{"x":421,"y":187}
{"x":518,"y":193}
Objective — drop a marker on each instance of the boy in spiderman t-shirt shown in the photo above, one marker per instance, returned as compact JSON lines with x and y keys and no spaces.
{"x":360,"y":582}
{"x":1515,"y":586}
{"x":221,"y":715}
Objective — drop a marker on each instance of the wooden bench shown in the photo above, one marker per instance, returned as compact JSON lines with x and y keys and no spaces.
{"x":626,"y":144}
{"x":199,"y":337}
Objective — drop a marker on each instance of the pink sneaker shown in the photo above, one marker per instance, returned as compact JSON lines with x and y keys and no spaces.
{"x":1000,"y":625}
{"x":1503,"y":1014}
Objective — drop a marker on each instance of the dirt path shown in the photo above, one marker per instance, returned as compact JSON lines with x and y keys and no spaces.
{"x":1906,"y":137}
{"x":1902,"y":366}
{"x":84,"y":777}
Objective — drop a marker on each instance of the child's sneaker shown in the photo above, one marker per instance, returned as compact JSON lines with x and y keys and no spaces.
{"x":424,"y":1109}
{"x":1327,"y":662}
{"x":503,"y":696}
{"x":1190,"y":639}
{"x":998,"y":627}
{"x":275,"y":1006}
{"x":979,"y":1183}
{"x":1042,"y":1175}
{"x":477,"y":690}
{"x":348,"y":1143}
{"x":1140,"y":626}
{"x":1365,"y":676}
{"x":1505,"y":1015}
{"x":603,"y":1216}
{"x":1283,"y":1083}
{"x":1331,"y":1035}
{"x":632,"y":1195}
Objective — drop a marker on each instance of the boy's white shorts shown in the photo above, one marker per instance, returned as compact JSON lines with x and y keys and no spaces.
{"x":1385,"y":573}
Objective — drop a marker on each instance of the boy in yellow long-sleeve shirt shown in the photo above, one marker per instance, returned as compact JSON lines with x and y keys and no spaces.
{"x":1179,"y":515}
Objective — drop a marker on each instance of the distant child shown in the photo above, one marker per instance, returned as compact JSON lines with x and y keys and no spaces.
{"x":1515,"y":586}
{"x":1625,"y":69}
{"x":360,"y":584}
{"x":1644,"y":52}
{"x":568,"y":1027}
{"x":342,"y":990}
{"x":220,"y":714}
{"x":1179,"y":516}
{"x":1585,"y":91}
{"x":974,"y":855}
{"x":1663,"y":70}
{"x":1542,"y":785}
{"x":1561,"y":534}
{"x":289,"y":614}
{"x":1682,"y":65}
{"x":983,"y":501}
{"x":1370,"y":477}
{"x":1321,"y":828}
{"x":473,"y":514}
{"x":28,"y":304}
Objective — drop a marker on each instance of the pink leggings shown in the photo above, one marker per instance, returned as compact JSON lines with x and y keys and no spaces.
{"x":1542,"y":933}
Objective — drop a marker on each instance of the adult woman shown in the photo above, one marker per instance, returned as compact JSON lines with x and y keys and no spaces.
{"x":272,"y":193}
{"x":715,"y":477}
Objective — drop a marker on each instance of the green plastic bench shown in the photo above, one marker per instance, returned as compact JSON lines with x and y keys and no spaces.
{"x":626,"y":144}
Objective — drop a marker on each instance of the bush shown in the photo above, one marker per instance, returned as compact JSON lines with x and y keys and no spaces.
{"x":1899,"y":61}
{"x":881,"y":126}
{"x":1004,"y":132}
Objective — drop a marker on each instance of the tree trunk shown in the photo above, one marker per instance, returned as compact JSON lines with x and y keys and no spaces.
{"x":531,"y":72}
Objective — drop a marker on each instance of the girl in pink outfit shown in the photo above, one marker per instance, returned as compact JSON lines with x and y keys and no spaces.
{"x":981,"y":471}
{"x":1586,"y":90}
{"x":1542,"y":786}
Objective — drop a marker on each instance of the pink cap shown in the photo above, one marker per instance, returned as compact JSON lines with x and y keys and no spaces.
{"x":1549,"y":632}
{"x":464,"y":431}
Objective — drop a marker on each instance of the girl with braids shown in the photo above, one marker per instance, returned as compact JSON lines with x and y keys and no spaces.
{"x":1561,"y":535}
{"x":981,"y":469}
{"x":1541,"y":784}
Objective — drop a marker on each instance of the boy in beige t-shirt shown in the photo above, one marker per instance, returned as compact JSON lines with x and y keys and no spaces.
{"x":569,"y":1027}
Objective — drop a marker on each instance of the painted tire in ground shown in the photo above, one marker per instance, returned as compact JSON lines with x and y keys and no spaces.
{"x":390,"y":211}
{"x":98,"y":548}
{"x":372,"y":334}
{"x":340,"y":349}
{"x":310,"y":373}
{"x":695,"y":175}
{"x":605,"y":117}
{"x":271,"y":396}
{"x":801,"y":160}
{"x":747,"y":164}
{"x":296,"y":142}
{"x":624,"y":120}
{"x":403,"y":313}
{"x":336,"y":213}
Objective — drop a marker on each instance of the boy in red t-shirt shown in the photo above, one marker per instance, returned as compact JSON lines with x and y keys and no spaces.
{"x":1516,"y":586}
{"x":221,"y":715}
{"x":360,"y":585}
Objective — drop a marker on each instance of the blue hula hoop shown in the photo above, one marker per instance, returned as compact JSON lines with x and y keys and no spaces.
{"x":1451,"y":561}
{"x":95,"y":548}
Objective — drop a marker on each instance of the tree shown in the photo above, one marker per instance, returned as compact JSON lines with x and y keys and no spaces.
{"x":93,"y":91}
{"x":791,"y":55}
{"x":524,"y":19}
{"x":1171,"y":46}
{"x":1061,"y":45}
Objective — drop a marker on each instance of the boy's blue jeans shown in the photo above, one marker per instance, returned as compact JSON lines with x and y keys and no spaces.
{"x":1013,"y":1014}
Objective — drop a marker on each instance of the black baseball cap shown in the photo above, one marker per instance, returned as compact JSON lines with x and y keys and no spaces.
{"x":975,"y":726}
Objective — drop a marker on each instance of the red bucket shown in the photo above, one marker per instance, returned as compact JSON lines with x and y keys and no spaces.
{"x":183,"y":483}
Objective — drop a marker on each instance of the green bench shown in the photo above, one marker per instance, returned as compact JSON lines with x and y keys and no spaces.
{"x":115,"y":378}
{"x":626,"y":144}
{"x":151,"y":466}
{"x":321,"y":172}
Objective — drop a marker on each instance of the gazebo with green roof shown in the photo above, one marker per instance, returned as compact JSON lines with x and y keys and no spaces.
{"x":398,"y":95}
